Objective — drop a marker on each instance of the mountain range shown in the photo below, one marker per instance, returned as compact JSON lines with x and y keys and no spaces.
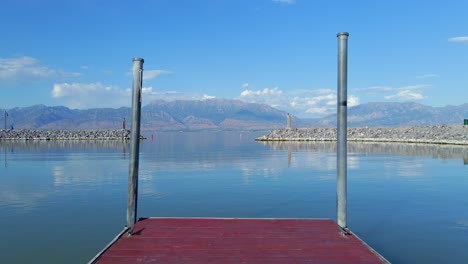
{"x":158,"y":115}
{"x":226,"y":114}
{"x":400,"y":114}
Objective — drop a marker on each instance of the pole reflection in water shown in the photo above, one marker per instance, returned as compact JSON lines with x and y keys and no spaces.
{"x":124,"y":151}
{"x":5,"y":158}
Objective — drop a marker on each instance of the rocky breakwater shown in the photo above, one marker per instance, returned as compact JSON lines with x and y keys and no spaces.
{"x":28,"y":134}
{"x":457,"y":135}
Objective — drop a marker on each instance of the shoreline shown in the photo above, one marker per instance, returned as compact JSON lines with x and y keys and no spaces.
{"x":445,"y":134}
{"x":62,"y":134}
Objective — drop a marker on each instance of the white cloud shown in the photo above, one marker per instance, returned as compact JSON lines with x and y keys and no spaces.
{"x":245,"y":85}
{"x":147,"y":90}
{"x":318,"y":110}
{"x":269,"y":96}
{"x":265,"y":92}
{"x":285,"y":1}
{"x":406,"y":95}
{"x":353,"y":101}
{"x":89,"y":95}
{"x":149,"y":95}
{"x":98,"y":95}
{"x":151,"y":74}
{"x":331,"y":97}
{"x":375,"y":89}
{"x":459,"y":39}
{"x":425,"y":76}
{"x":72,"y":89}
{"x":415,"y":87}
{"x":323,"y":104}
{"x":28,"y":68}
{"x":207,"y":97}
{"x":303,"y":103}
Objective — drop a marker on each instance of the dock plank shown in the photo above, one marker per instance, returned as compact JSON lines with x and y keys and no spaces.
{"x":212,"y":240}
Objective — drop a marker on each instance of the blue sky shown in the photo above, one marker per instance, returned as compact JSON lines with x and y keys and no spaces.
{"x":283,"y":53}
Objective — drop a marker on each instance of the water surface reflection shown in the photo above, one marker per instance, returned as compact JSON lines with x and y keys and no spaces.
{"x":416,"y":191}
{"x":35,"y":170}
{"x":371,"y":148}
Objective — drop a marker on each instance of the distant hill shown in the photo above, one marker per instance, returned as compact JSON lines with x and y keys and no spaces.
{"x":399,"y":114}
{"x":60,"y":117}
{"x":158,"y":115}
{"x":224,"y":114}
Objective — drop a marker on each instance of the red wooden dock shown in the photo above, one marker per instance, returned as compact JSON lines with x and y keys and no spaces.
{"x":220,"y":240}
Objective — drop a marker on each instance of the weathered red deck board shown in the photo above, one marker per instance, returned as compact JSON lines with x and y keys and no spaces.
{"x":211,"y":240}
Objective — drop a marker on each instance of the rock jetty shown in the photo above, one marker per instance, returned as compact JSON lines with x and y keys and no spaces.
{"x":456,"y":135}
{"x":28,"y":134}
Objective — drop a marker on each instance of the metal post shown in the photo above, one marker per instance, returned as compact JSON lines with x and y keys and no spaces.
{"x":341,"y":185}
{"x":134,"y":144}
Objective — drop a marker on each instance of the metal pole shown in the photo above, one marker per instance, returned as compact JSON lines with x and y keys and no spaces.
{"x":5,"y":118}
{"x":134,"y":144}
{"x":341,"y":185}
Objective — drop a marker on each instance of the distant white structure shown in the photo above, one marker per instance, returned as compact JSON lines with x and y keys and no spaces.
{"x":288,"y":125}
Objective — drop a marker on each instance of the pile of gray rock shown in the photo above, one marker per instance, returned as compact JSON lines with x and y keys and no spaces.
{"x":457,"y":135}
{"x":29,"y":134}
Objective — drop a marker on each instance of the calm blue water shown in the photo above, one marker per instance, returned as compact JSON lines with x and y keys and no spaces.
{"x":62,"y":202}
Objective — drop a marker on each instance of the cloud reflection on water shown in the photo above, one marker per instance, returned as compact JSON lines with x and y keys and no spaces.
{"x":387,"y":149}
{"x":462,"y":224}
{"x":322,"y":155}
{"x":35,"y":170}
{"x":98,"y":163}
